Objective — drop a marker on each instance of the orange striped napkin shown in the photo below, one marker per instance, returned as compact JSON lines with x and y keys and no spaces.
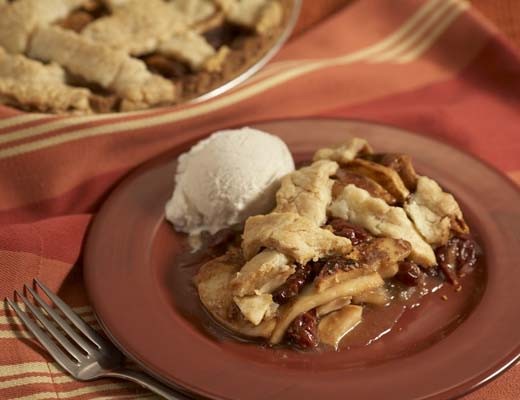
{"x":431,"y":66}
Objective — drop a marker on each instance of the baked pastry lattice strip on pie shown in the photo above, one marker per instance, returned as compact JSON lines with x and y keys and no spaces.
{"x":27,"y":82}
{"x":292,"y":231}
{"x":95,"y":62}
{"x":380,"y":219}
{"x":264,"y":273}
{"x":258,"y":15}
{"x":293,"y":235}
{"x":196,"y":11}
{"x":308,"y":191}
{"x":434,"y":212}
{"x":194,"y":50}
{"x":19,"y":19}
{"x":345,"y":152}
{"x":305,"y":193}
{"x":136,"y":27}
{"x":193,"y":11}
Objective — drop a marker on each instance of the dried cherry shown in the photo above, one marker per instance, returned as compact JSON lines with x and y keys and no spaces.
{"x":294,"y":284}
{"x":409,"y":273}
{"x":457,"y":257}
{"x":343,"y":228}
{"x":303,"y":331}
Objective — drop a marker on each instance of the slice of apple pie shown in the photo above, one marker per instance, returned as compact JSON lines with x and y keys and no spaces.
{"x":351,"y":230}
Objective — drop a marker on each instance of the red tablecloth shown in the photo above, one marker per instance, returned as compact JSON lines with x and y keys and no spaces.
{"x":433,"y":66}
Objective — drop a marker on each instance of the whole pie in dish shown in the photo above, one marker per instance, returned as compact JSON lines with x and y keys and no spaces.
{"x":94,"y":56}
{"x":351,"y":232}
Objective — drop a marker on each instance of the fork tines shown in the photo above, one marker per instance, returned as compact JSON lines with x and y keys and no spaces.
{"x":73,"y":347}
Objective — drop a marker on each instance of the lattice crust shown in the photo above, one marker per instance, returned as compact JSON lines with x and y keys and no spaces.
{"x":260,"y":15}
{"x":344,"y":153}
{"x":359,"y":207}
{"x":137,"y":27}
{"x":19,"y":19}
{"x":307,"y":191}
{"x":40,"y":86}
{"x":118,"y":55}
{"x":194,"y":50}
{"x":95,"y":62}
{"x":434,"y":212}
{"x":195,"y":11}
{"x":297,"y":237}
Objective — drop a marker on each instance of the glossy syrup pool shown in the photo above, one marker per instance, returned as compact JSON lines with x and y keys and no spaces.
{"x":404,"y":326}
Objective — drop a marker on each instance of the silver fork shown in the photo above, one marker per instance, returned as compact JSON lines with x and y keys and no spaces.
{"x":86,"y":356}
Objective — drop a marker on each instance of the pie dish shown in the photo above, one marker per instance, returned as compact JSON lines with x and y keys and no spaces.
{"x":95,"y":56}
{"x":353,"y":230}
{"x":438,"y":351}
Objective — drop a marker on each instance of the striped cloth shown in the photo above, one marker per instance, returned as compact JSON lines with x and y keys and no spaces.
{"x":433,"y":66}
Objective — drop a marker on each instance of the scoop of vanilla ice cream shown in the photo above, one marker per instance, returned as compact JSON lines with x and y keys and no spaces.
{"x":226,"y":178}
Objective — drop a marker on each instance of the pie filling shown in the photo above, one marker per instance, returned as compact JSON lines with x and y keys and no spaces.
{"x":352,"y":233}
{"x":96,"y":56}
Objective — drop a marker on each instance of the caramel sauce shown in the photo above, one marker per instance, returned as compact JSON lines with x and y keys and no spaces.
{"x":379,"y":321}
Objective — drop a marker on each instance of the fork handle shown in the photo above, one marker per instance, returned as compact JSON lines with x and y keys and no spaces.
{"x":147,"y":382}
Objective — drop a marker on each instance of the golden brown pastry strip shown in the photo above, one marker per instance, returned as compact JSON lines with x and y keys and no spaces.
{"x":307,"y":191}
{"x":302,"y":204}
{"x":193,"y":49}
{"x":295,"y":236}
{"x":27,"y":82}
{"x":258,"y":15}
{"x":137,"y":27}
{"x":19,"y":19}
{"x":262,"y":274}
{"x":98,"y":63}
{"x":359,"y":207}
{"x":195,"y":11}
{"x":345,"y":152}
{"x":434,"y":212}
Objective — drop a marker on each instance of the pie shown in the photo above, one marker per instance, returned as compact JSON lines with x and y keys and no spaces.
{"x":95,"y":56}
{"x":351,"y":231}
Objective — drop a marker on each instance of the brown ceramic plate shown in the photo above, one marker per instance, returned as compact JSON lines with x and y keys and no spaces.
{"x":441,"y":350}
